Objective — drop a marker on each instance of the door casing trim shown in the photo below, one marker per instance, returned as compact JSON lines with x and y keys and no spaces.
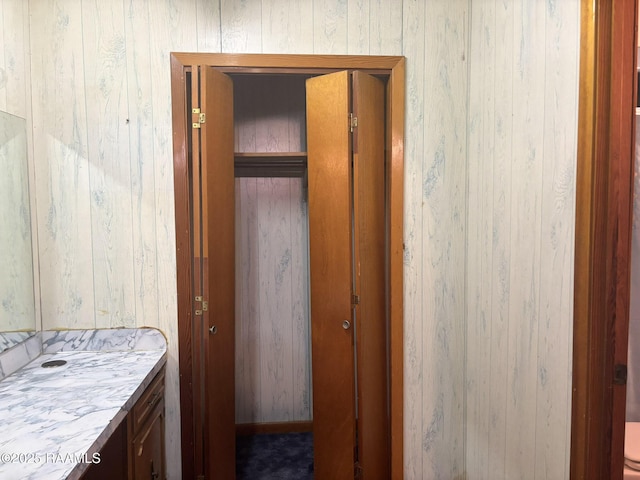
{"x":604,"y":183}
{"x":394,"y":67}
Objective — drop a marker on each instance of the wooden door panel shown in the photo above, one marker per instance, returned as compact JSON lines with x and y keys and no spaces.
{"x":218,"y":239}
{"x":329,"y":176}
{"x":369,"y":254}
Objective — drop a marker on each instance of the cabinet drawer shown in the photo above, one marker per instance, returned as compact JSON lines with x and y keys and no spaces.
{"x":148,"y":447}
{"x":149,"y":399}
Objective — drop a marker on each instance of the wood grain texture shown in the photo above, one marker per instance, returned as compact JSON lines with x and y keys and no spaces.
{"x":431,"y":35}
{"x":330,"y":26}
{"x":553,"y":415}
{"x":273,"y":356}
{"x":286,"y":26}
{"x":442,"y":200}
{"x":240,"y":25}
{"x":270,"y":114}
{"x":330,"y":266}
{"x":272,"y":330}
{"x":415,"y":41}
{"x":218,"y":241}
{"x":105,"y":67}
{"x":15,"y":91}
{"x":63,"y":188}
{"x":371,"y":312}
{"x":139,"y":115}
{"x":521,"y":177}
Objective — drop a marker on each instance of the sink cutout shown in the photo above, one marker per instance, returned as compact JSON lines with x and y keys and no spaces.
{"x":53,"y":363}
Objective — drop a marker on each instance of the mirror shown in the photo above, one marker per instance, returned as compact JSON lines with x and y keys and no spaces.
{"x":17,"y":300}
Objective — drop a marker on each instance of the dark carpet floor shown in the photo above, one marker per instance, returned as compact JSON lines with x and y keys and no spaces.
{"x":286,"y":456}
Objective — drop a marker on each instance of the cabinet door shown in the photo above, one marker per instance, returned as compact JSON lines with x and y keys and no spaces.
{"x":148,"y":448}
{"x":347,"y":262}
{"x":218,"y":254}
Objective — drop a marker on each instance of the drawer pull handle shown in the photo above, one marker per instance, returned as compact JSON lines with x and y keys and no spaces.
{"x":153,"y":399}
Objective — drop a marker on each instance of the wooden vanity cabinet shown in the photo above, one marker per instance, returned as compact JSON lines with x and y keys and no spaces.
{"x":146,"y":434}
{"x":135,"y":451}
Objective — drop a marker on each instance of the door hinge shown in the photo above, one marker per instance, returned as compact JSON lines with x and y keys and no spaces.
{"x":355,"y":299}
{"x":620,"y":374}
{"x":200,"y":119}
{"x":353,"y":122}
{"x":204,"y":307}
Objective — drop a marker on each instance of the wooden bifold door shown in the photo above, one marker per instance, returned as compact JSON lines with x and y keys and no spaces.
{"x":352,"y":265}
{"x":345,"y":163}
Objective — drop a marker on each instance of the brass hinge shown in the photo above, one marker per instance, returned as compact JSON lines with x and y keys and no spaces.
{"x":205,"y":305}
{"x":353,"y":122}
{"x":200,"y":119}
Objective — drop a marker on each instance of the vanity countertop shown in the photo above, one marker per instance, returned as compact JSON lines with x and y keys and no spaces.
{"x":53,"y":420}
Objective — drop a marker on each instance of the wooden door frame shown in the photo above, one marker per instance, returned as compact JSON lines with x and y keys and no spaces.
{"x":394,"y":67}
{"x":606,"y":138}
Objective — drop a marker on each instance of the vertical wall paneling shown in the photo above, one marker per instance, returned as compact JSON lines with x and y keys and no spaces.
{"x":443,"y":200}
{"x":241,"y":26}
{"x":139,"y":118}
{"x":105,"y":70}
{"x":269,"y":114}
{"x":287,"y":26}
{"x":248,"y":315}
{"x":553,"y":403}
{"x":208,"y":26}
{"x":480,"y":226}
{"x":358,"y":31}
{"x":522,"y":143}
{"x":272,"y":320}
{"x":502,"y":132}
{"x":63,"y":199}
{"x":272,"y":334}
{"x":526,"y":191}
{"x":520,"y":120}
{"x":14,"y":69}
{"x":385,"y":18}
{"x":414,"y":43}
{"x":330,"y":26}
{"x":301,"y":323}
{"x":5,"y":42}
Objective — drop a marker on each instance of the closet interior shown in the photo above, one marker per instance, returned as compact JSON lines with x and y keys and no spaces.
{"x":273,"y":387}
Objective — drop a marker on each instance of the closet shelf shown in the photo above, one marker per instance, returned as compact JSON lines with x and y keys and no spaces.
{"x":270,"y":164}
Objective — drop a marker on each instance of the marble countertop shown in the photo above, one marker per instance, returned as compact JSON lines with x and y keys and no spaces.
{"x":52,"y":420}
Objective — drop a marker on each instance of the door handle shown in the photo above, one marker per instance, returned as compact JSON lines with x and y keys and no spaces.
{"x":346,"y":324}
{"x":213,"y":329}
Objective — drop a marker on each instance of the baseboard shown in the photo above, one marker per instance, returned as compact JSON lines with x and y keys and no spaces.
{"x":279,"y":427}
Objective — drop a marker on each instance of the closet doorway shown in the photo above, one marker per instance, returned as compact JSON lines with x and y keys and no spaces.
{"x":355,"y":251}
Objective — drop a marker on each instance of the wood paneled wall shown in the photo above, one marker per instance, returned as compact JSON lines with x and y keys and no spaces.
{"x":273,"y":363}
{"x":521,"y":176}
{"x":489,"y":155}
